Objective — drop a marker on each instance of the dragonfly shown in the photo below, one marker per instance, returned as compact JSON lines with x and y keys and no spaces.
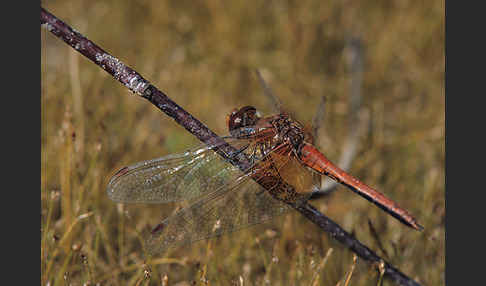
{"x":222,"y":197}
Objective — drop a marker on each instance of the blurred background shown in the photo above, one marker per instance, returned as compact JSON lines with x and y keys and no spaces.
{"x":204,"y":55}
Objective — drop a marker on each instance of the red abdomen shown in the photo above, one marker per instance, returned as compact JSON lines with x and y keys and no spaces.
{"x":312,"y":158}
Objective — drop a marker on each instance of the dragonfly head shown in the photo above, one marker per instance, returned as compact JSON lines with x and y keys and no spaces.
{"x":243,"y":117}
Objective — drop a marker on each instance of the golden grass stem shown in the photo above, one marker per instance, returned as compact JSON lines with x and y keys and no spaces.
{"x":44,"y":244}
{"x":315,"y":278}
{"x":381,"y":268}
{"x":66,"y":155}
{"x":348,"y":278}
{"x":62,"y":270}
{"x":77,"y":95}
{"x":64,"y":240}
{"x":121,"y":234}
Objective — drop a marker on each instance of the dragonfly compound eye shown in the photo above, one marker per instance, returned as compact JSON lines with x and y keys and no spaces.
{"x":243,"y":117}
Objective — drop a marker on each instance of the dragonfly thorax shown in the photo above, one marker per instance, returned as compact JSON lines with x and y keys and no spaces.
{"x":272,"y":131}
{"x":288,"y":131}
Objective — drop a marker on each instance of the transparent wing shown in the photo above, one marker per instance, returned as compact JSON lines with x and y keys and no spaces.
{"x":241,"y":203}
{"x":174,"y":177}
{"x":238,"y":205}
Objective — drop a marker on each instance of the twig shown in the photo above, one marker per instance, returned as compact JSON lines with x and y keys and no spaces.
{"x":267,"y":91}
{"x":352,"y":243}
{"x":318,"y":119}
{"x":375,"y":235}
{"x":136,"y":83}
{"x":355,"y":62}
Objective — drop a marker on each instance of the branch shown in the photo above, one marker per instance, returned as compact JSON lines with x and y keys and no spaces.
{"x":136,"y":83}
{"x":318,"y":119}
{"x":355,"y":63}
{"x":267,"y":91}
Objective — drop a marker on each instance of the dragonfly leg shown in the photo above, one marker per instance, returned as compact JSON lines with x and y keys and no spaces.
{"x":237,"y":153}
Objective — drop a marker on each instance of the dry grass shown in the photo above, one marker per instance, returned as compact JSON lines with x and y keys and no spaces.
{"x":204,"y":54}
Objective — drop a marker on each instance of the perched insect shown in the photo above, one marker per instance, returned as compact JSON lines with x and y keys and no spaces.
{"x":225,"y":198}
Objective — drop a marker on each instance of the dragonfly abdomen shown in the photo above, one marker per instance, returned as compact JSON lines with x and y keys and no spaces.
{"x":315,"y":160}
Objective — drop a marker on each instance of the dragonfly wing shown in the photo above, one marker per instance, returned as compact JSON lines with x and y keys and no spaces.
{"x":174,"y":177}
{"x":232,"y":207}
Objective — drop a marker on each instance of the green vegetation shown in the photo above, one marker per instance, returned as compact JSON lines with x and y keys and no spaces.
{"x":204,"y":54}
